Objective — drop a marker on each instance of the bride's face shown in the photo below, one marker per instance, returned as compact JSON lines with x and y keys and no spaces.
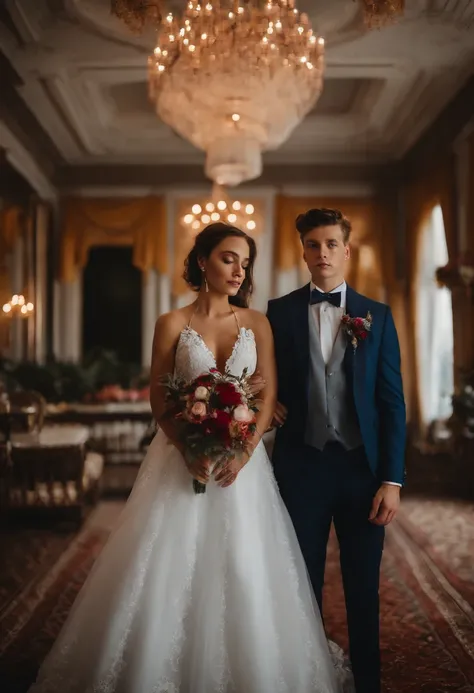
{"x":226,"y":266}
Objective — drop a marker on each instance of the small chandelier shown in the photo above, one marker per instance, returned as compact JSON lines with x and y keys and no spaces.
{"x":221,"y":208}
{"x":18,"y":307}
{"x":138,"y":13}
{"x":235,"y":78}
{"x":379,"y":13}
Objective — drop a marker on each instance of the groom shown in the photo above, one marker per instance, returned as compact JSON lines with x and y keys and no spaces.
{"x":339,"y":449}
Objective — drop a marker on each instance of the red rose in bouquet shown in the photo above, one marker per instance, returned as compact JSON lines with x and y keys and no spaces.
{"x":228,"y":394}
{"x":220,"y":426}
{"x":214,"y":415}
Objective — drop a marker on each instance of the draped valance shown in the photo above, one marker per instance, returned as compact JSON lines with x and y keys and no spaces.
{"x":137,"y":222}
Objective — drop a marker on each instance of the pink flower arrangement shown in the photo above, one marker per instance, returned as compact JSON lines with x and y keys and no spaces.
{"x":115,"y":393}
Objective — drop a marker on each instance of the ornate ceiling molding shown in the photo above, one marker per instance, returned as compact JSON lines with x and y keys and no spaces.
{"x":22,"y":160}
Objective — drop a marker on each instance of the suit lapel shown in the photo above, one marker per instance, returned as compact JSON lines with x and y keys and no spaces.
{"x":300,"y":313}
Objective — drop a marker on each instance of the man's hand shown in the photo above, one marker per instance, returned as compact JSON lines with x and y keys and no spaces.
{"x":279,"y":417}
{"x":255,"y":383}
{"x":230,"y":469}
{"x":198,"y":467}
{"x":385,"y":505}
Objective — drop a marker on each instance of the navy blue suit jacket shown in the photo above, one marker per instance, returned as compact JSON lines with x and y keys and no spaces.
{"x":373,"y":374}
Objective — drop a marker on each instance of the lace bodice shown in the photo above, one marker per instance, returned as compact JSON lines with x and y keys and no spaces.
{"x":193,"y":356}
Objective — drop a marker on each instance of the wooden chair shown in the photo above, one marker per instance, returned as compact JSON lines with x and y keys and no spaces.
{"x":61,"y":478}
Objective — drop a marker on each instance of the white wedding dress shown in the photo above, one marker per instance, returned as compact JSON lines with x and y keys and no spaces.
{"x":197,"y":594}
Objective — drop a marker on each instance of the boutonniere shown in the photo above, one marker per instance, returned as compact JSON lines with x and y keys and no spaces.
{"x":357,"y":329}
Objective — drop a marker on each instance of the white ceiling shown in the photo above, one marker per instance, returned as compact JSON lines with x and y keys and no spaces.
{"x":84,"y":79}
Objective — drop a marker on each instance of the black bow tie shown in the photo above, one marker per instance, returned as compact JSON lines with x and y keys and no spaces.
{"x":320,"y":297}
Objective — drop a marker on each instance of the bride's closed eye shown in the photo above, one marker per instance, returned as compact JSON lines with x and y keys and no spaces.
{"x":230,"y":261}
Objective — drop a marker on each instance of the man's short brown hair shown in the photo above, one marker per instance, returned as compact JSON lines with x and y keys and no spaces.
{"x":314,"y":218}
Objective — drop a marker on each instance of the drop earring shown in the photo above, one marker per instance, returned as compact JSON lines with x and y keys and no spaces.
{"x":206,"y":285}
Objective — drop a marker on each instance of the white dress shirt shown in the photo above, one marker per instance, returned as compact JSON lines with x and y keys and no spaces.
{"x":328,"y":322}
{"x":328,"y":319}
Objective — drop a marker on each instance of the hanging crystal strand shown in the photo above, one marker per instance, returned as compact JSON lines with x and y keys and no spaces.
{"x":378,"y":13}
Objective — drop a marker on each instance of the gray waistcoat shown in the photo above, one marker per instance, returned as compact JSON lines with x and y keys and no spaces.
{"x":331,"y":410}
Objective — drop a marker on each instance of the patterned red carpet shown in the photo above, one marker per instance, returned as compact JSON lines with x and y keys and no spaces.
{"x":427,"y":593}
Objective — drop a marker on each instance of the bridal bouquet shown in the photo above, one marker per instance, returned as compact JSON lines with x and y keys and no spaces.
{"x":215,"y":415}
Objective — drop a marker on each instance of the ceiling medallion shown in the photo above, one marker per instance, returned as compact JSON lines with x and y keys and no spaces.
{"x":379,"y":13}
{"x":235,"y":77}
{"x":138,"y":13}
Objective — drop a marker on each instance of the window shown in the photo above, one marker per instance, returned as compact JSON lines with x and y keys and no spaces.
{"x":434,"y":325}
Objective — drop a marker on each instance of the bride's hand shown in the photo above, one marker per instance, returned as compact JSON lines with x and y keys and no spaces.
{"x":198,"y":467}
{"x":229,"y":471}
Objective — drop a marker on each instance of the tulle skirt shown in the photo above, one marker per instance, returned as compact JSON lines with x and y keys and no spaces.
{"x":197,"y":594}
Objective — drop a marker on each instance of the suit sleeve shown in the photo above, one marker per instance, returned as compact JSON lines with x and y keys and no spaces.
{"x":272,"y":318}
{"x":391,"y":405}
{"x":272,"y":313}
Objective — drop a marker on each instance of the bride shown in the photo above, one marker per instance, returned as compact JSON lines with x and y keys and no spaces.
{"x":201,"y":593}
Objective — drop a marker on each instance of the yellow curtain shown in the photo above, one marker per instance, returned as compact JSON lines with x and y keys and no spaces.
{"x":470,"y":211}
{"x":12,"y":221}
{"x":444,"y":181}
{"x":138,"y":222}
{"x":184,"y":236}
{"x":421,"y":196}
{"x":394,"y":282}
{"x":287,"y":241}
{"x":12,"y":225}
{"x":464,"y":300}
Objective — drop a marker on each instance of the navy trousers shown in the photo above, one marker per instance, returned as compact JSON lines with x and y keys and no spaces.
{"x":337,"y":485}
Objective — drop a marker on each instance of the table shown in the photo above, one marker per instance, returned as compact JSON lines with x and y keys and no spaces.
{"x":116,"y":431}
{"x":51,"y":437}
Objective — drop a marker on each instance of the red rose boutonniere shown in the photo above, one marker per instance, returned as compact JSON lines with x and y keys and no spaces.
{"x":357,"y":329}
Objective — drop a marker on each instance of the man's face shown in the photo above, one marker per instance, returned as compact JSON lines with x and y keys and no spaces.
{"x":326,"y":254}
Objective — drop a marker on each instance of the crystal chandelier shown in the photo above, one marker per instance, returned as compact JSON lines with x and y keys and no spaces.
{"x":221,"y":208}
{"x":18,"y":306}
{"x":378,"y":13}
{"x":235,"y":77}
{"x":138,"y":13}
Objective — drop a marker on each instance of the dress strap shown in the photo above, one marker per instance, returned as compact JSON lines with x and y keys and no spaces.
{"x":192,"y":315}
{"x":236,"y":318}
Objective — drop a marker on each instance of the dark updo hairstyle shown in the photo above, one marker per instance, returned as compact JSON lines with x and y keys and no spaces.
{"x":314,"y":218}
{"x":204,"y":244}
